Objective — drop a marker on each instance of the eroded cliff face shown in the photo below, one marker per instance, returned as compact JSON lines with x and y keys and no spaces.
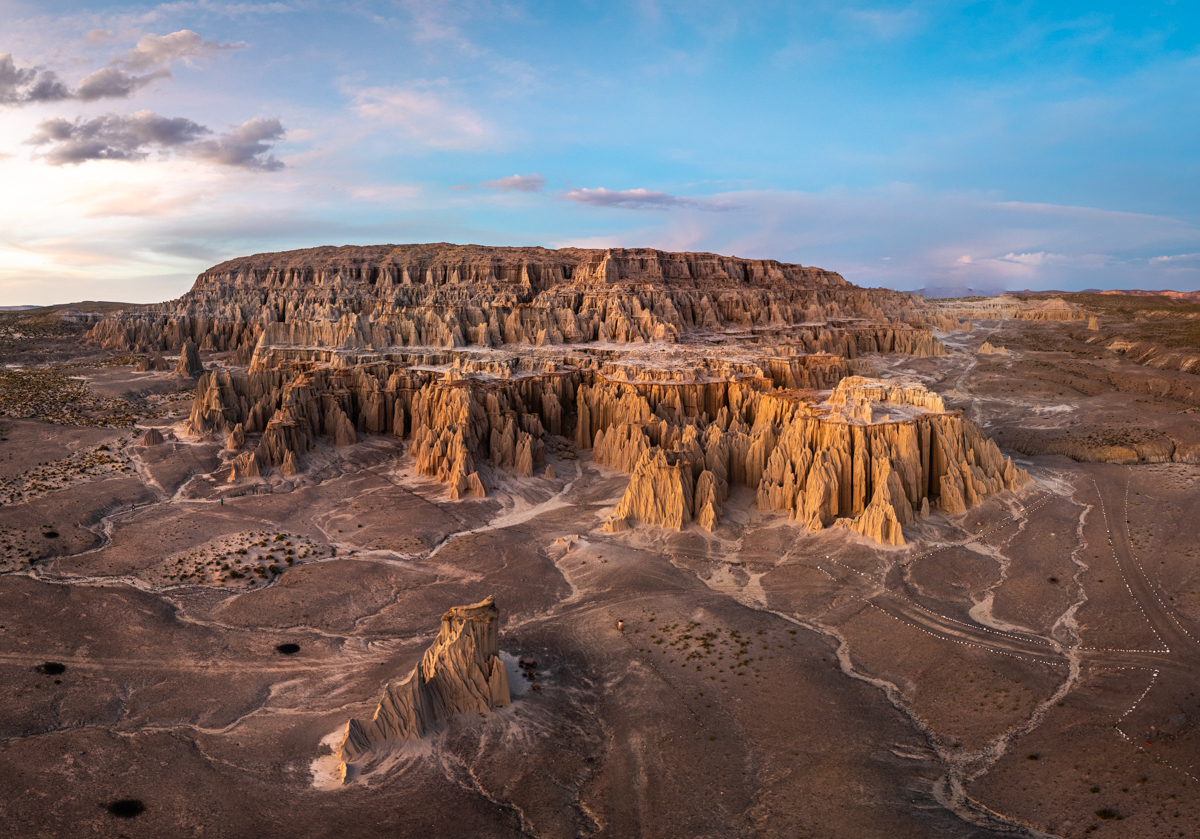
{"x":694,"y":373}
{"x":870,"y":457}
{"x":460,"y":673}
{"x":452,"y":296}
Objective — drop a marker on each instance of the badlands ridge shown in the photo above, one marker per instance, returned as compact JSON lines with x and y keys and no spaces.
{"x":693,"y":373}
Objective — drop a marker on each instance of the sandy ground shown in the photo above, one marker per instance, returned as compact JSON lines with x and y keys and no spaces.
{"x":1029,"y":668}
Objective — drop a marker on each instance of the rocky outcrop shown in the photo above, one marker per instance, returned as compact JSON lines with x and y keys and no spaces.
{"x":153,"y":437}
{"x":1111,"y":445}
{"x":237,"y":438}
{"x":244,"y":465}
{"x":842,"y":462}
{"x":155,"y":363}
{"x":289,"y":468}
{"x":986,"y":348}
{"x":1154,"y":355}
{"x":189,"y":360}
{"x":460,"y":673}
{"x":1005,"y":307}
{"x":660,"y":490}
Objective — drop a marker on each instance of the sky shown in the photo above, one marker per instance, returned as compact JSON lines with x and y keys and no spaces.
{"x":977,"y":145}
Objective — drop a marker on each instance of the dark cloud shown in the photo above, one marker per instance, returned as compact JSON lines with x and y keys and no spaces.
{"x":160,"y":50}
{"x":111,"y":83}
{"x":30,"y":85}
{"x":134,"y":137}
{"x":245,"y":146}
{"x":114,"y":137}
{"x":520,"y":183}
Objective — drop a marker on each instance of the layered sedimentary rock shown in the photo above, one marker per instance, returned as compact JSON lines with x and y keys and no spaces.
{"x":694,"y":373}
{"x":460,"y":673}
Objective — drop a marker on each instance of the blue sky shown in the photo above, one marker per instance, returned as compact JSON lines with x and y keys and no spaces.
{"x":989,"y":145}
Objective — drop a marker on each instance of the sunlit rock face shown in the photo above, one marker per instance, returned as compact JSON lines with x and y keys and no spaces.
{"x":694,"y":373}
{"x":460,"y":673}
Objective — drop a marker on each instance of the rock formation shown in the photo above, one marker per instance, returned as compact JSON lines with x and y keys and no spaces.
{"x":153,"y":437}
{"x":156,"y":363}
{"x":865,"y":458}
{"x":237,"y":438}
{"x":694,"y":373}
{"x":244,"y":465}
{"x":189,"y":360}
{"x":460,"y":673}
{"x":451,"y":296}
{"x":1004,"y":307}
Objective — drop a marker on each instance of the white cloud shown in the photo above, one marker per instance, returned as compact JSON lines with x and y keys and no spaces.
{"x":424,"y":118}
{"x":519,"y":183}
{"x":1039,"y":258}
{"x":1182,"y":257}
{"x":153,"y":51}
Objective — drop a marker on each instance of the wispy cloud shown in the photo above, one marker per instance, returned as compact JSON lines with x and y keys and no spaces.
{"x":1182,"y":257}
{"x":641,"y":199}
{"x":518,"y":183}
{"x":111,"y":83}
{"x":884,"y":23}
{"x":1039,"y":258}
{"x":424,"y":118}
{"x":154,"y":51}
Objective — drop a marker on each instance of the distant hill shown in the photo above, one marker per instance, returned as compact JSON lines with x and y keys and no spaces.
{"x":1181,"y":296}
{"x":101,"y":306}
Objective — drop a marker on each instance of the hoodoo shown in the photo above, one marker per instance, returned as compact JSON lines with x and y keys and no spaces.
{"x":460,"y":673}
{"x":694,"y":373}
